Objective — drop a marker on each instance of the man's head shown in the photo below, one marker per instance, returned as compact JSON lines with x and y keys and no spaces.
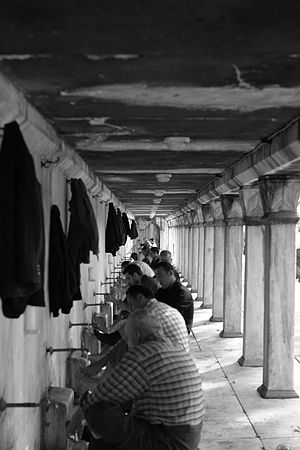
{"x":145,"y":251}
{"x":165,"y":274}
{"x":123,"y":265}
{"x":154,"y":252}
{"x":137,"y":297}
{"x":165,"y":255}
{"x":142,"y":326}
{"x":133,"y":274}
{"x":134,"y":256}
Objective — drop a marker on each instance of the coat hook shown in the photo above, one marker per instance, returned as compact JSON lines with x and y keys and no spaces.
{"x":98,"y":195}
{"x":47,"y":163}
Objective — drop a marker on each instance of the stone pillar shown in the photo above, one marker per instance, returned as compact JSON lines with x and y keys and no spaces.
{"x":196,"y":259}
{"x":175,"y":247}
{"x":181,"y":240}
{"x":280,"y":195}
{"x":201,"y":233}
{"x":177,"y":244}
{"x":232,"y":314}
{"x":190,"y":246}
{"x":219,"y":262}
{"x":254,"y":277}
{"x":208,"y":256}
{"x":186,"y":248}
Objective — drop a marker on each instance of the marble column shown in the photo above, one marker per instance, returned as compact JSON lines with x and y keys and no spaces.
{"x":175,"y":252}
{"x":254,"y":277}
{"x":280,"y":195}
{"x":219,"y":262}
{"x":190,"y":261}
{"x":181,"y":238}
{"x":200,"y":273}
{"x":187,"y":251}
{"x":208,"y":256}
{"x":196,"y":260}
{"x":232,"y":313}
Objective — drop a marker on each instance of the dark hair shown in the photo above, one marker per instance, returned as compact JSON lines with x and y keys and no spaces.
{"x":154,"y":250}
{"x":124,"y":264}
{"x":131,"y":269}
{"x":165,"y":265}
{"x":133,"y":291}
{"x":134,"y":256}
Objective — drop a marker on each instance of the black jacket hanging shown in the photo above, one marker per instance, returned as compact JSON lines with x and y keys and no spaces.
{"x":123,"y":235}
{"x":83,"y":231}
{"x":112,"y":231}
{"x":126,"y":225}
{"x":133,"y":230}
{"x":62,"y":280}
{"x":21,"y":227}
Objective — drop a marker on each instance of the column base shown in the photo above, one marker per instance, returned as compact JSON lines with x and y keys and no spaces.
{"x":264,"y":392}
{"x":249,"y":363}
{"x":216,"y":319}
{"x":230,"y":334}
{"x":206,"y":306}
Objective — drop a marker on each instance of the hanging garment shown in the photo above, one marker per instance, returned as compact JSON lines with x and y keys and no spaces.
{"x":21,"y":227}
{"x":83,"y":231}
{"x":62,"y":280}
{"x":123,"y":235}
{"x":133,"y":230}
{"x":126,"y":225}
{"x":112,"y":231}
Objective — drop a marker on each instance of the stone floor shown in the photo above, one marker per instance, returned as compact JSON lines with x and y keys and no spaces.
{"x":237,"y":417}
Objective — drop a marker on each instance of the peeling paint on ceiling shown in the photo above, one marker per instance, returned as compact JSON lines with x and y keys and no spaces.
{"x":223,"y":98}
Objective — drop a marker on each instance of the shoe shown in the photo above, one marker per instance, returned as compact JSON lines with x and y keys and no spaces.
{"x":108,"y":338}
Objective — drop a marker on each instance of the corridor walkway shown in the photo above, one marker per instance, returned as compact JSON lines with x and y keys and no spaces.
{"x":237,"y":417}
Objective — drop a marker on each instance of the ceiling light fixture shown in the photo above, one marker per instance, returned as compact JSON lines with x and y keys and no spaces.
{"x":177,"y":142}
{"x":163,"y":177}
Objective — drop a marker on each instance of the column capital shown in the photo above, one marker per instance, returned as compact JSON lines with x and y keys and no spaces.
{"x":280,"y":196}
{"x":232,"y":209}
{"x":180,"y":221}
{"x":207,"y":215}
{"x":185,"y":220}
{"x":199,"y":218}
{"x":217,"y":212}
{"x":252,"y":204}
{"x":190,"y":217}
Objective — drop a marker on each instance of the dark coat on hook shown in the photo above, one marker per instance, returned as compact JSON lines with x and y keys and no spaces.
{"x":62,"y":281}
{"x":21,"y":227}
{"x":126,"y":225}
{"x":123,"y":235}
{"x":133,"y":230}
{"x":112,"y":231}
{"x":83,"y":230}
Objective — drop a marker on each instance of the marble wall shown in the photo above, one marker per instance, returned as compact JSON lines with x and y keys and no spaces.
{"x":26,"y":370}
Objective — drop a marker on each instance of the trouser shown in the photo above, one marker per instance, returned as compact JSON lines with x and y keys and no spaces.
{"x":121,"y":431}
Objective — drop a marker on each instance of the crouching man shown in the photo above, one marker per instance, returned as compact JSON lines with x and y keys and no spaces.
{"x":162,"y":384}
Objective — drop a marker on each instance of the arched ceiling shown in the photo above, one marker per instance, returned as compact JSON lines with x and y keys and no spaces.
{"x":143,"y":88}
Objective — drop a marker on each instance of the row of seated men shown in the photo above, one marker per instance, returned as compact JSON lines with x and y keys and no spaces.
{"x":149,"y":397}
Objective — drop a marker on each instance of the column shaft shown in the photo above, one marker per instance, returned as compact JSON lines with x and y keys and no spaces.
{"x":200,"y":275}
{"x":253,"y":297}
{"x":208,"y":266}
{"x":195,"y":257}
{"x":278,"y":371}
{"x":232,"y":326}
{"x":218,"y":274}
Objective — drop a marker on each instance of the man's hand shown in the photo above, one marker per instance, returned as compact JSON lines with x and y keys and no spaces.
{"x":85,"y":401}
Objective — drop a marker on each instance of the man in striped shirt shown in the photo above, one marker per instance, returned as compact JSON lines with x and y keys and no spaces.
{"x":171,"y":320}
{"x":164,"y":386}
